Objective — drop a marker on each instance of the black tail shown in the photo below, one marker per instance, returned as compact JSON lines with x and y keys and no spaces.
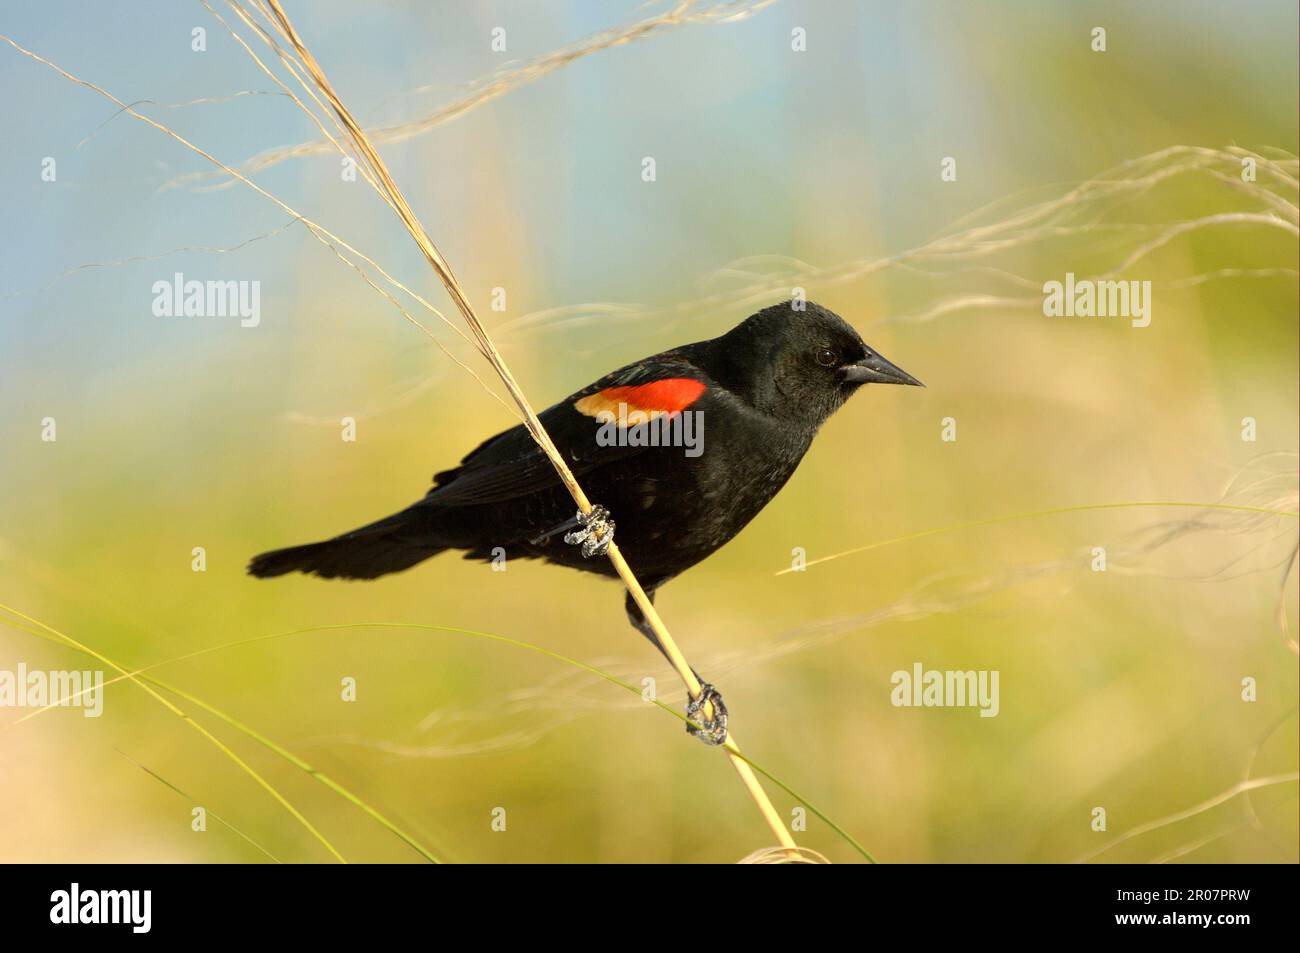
{"x":365,"y":553}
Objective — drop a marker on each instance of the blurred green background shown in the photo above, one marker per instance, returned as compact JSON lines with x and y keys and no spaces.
{"x":1119,"y":690}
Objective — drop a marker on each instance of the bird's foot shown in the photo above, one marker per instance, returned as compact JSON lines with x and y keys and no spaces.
{"x":595,"y":534}
{"x":712,"y":731}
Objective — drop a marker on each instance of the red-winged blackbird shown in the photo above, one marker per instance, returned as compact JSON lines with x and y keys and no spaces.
{"x":756,"y":396}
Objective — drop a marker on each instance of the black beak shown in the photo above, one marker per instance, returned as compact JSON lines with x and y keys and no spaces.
{"x":874,"y":369}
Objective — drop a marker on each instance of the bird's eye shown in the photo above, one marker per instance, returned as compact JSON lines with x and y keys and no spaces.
{"x":826,"y":357}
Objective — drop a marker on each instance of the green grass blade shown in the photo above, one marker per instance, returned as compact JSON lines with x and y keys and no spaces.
{"x":193,"y":800}
{"x":1014,"y":517}
{"x":491,"y":636}
{"x":61,"y":639}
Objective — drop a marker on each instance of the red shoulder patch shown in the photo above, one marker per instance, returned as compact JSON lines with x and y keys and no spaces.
{"x":642,"y":402}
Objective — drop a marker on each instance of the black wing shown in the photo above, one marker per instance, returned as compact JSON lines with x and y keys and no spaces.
{"x":510,"y":464}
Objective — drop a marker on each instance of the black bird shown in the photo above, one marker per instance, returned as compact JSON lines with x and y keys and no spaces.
{"x":746,"y":405}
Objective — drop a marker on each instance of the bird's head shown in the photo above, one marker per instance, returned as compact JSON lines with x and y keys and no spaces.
{"x":801,"y":362}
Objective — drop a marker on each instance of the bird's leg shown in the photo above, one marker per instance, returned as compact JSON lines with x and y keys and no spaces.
{"x":712,"y":731}
{"x":640,"y":623}
{"x":595,"y":532}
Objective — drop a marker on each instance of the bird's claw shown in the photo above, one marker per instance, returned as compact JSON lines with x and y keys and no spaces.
{"x":712,"y":731}
{"x":595,"y":532}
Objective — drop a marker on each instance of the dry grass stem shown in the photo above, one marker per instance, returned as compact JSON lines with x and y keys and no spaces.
{"x":482,"y":343}
{"x":398,"y":202}
{"x":498,"y":84}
